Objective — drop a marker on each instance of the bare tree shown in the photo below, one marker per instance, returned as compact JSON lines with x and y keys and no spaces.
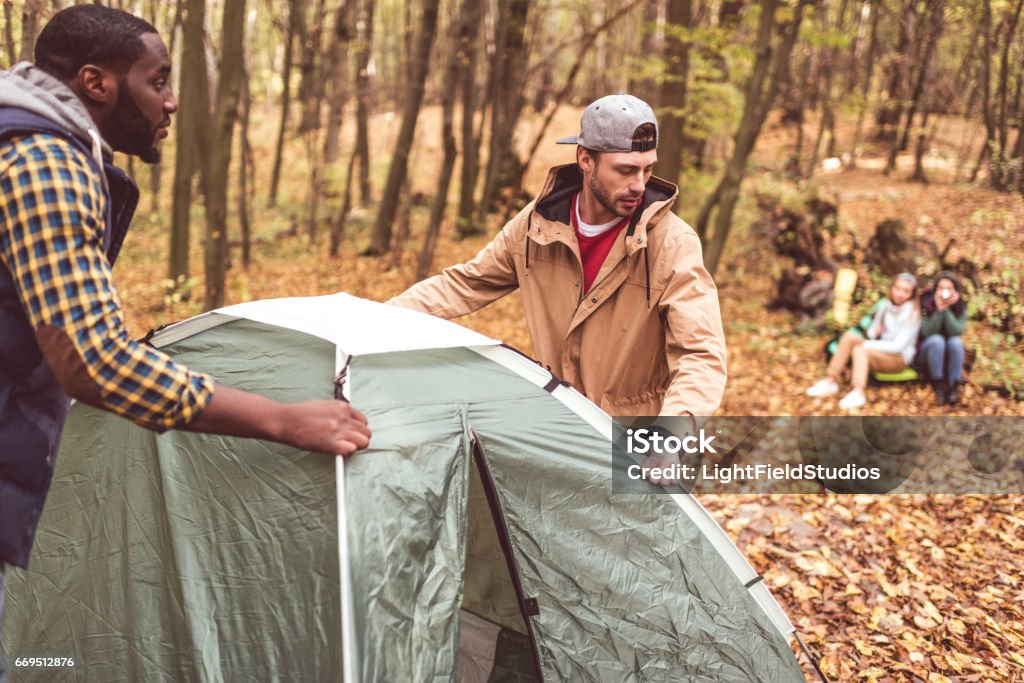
{"x":30,"y":14}
{"x":191,"y":134}
{"x":364,"y":52}
{"x":469,"y":28}
{"x":869,"y":72}
{"x":290,"y":31}
{"x":246,"y":168}
{"x":400,"y":161}
{"x":901,"y":140}
{"x":336,"y":67}
{"x":12,"y":56}
{"x":507,"y":75}
{"x":228,"y":90}
{"x":455,"y":57}
{"x":676,"y":56}
{"x":889,"y":115}
{"x":760,"y":93}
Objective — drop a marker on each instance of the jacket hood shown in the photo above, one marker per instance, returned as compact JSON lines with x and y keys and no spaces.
{"x":26,"y":86}
{"x":555,"y":200}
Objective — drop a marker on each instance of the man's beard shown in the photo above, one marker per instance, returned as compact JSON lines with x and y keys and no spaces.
{"x":133,"y":134}
{"x":605,"y":198}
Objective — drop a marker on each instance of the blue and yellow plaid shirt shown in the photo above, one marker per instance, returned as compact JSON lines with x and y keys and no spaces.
{"x":52,"y":209}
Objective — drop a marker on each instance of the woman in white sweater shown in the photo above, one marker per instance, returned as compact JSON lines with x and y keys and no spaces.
{"x":890,"y":346}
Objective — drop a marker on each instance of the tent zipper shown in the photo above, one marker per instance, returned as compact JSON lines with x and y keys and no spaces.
{"x":497,"y":514}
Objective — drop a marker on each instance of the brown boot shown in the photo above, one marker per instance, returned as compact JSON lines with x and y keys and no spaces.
{"x":941,"y":393}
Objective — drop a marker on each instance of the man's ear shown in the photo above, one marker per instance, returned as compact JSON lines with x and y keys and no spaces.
{"x":584,"y":160}
{"x":97,"y":85}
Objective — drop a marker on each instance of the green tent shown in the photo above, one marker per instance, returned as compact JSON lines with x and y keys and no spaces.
{"x":479,"y":536}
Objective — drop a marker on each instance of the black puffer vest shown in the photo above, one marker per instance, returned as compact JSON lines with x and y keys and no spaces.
{"x":32,"y":405}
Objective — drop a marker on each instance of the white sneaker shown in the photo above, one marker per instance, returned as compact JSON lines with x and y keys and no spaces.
{"x":854,"y":399}
{"x":824,"y":387}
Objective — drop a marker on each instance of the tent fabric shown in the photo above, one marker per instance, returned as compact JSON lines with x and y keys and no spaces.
{"x":196,"y":557}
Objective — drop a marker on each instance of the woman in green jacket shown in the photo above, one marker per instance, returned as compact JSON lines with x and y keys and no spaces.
{"x":944,"y":314}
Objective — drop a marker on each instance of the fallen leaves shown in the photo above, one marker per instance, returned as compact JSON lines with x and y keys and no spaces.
{"x":929,"y":588}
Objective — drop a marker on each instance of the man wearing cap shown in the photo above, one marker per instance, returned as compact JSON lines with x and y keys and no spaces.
{"x":617,"y":299}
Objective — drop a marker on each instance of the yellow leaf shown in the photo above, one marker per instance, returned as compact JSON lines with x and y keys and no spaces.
{"x":877,"y":614}
{"x":888,"y":588}
{"x":932,"y":611}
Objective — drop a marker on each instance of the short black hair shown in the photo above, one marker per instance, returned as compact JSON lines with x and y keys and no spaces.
{"x":90,"y":34}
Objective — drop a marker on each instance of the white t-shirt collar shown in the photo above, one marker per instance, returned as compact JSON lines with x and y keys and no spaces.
{"x":588,"y":230}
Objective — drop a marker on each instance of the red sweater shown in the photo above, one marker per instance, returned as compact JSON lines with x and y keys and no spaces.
{"x":594,"y":250}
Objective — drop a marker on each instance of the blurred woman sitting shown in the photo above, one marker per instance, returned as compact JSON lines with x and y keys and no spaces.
{"x":942,"y":350}
{"x":890,"y":346}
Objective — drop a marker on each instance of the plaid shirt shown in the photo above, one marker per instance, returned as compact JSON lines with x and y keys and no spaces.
{"x":52,"y":209}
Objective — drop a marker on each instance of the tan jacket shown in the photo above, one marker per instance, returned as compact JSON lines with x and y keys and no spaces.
{"x":645,"y":340}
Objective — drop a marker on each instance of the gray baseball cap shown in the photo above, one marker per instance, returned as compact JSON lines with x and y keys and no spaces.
{"x":609,"y":123}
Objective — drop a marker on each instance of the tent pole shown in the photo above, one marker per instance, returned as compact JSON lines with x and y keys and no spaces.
{"x":349,"y":665}
{"x":813,"y":661}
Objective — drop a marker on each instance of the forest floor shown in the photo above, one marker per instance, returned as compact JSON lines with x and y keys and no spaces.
{"x":884,"y":587}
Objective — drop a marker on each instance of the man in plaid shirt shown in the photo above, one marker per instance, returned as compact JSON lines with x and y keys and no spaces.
{"x":100,"y":84}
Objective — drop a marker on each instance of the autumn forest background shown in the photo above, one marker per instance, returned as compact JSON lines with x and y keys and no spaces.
{"x":360,"y":145}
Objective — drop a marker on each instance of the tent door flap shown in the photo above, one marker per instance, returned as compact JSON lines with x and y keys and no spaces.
{"x":529,"y":607}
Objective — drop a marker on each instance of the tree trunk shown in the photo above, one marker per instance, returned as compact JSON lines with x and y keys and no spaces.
{"x":311,"y":82}
{"x":794,"y":166}
{"x":228,"y":89}
{"x":827,"y":122}
{"x":192,"y":136}
{"x":508,"y":66}
{"x":901,"y":141}
{"x":363,"y":99}
{"x":472,"y":13}
{"x":29,"y":27}
{"x":314,"y":188}
{"x":403,"y":219}
{"x":336,"y":77}
{"x":156,"y":170}
{"x":246,"y":175}
{"x":12,"y":56}
{"x":338,"y":226}
{"x":399,"y":163}
{"x":922,"y":140}
{"x":455,"y":58}
{"x":986,"y":87}
{"x":869,"y":72}
{"x":888,"y":117}
{"x":672,"y":96}
{"x":1001,"y":168}
{"x":286,"y":99}
{"x":761,"y":91}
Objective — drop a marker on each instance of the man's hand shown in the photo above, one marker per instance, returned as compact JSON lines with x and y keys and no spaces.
{"x":664,"y":461}
{"x":330,"y":427}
